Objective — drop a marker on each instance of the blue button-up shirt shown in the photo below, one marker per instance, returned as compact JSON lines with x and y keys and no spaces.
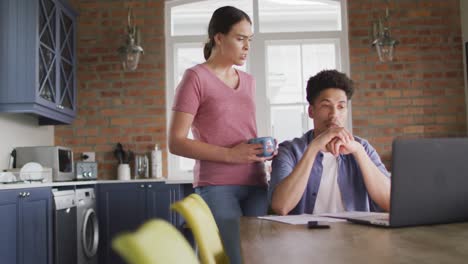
{"x":350,"y":180}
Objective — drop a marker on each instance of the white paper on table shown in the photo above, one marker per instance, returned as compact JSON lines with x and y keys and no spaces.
{"x":354,"y":214}
{"x":299,"y":219}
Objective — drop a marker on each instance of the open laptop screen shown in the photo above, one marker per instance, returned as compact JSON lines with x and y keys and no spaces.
{"x":429,"y":181}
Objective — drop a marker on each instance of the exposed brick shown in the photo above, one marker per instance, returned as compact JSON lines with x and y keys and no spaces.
{"x":89,"y":131}
{"x":97,"y":140}
{"x":121,"y":121}
{"x":420,"y":93}
{"x":426,"y":97}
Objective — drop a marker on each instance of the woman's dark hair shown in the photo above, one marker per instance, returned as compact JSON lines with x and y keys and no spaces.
{"x":328,"y":79}
{"x":222,"y":21}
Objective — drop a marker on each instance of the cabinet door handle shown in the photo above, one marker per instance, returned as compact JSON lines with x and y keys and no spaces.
{"x":21,"y":194}
{"x":28,"y":193}
{"x":60,"y":106}
{"x":149,"y":185}
{"x":142,"y":186}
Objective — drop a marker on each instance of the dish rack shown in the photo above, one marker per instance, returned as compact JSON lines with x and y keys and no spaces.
{"x":43,"y":175}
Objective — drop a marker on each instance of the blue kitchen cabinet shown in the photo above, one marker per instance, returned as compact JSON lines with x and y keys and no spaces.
{"x":26,"y":226}
{"x":8,"y":226}
{"x":38,"y":59}
{"x":159,"y":198}
{"x":125,"y":206}
{"x":121,"y":207}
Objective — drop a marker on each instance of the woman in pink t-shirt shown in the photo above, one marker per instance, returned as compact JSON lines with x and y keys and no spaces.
{"x":217,"y":102}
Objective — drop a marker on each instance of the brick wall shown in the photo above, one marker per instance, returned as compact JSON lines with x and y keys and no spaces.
{"x":421,"y":93}
{"x":113,"y":105}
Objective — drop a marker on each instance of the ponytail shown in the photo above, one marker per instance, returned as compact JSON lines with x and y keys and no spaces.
{"x":207,"y":49}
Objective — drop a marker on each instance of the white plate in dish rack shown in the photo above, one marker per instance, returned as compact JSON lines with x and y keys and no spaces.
{"x":31,"y":171}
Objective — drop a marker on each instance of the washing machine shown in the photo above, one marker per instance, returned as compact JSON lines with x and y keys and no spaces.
{"x":87,"y":223}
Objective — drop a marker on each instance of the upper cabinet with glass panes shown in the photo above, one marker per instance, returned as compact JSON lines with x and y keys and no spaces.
{"x":40,"y":54}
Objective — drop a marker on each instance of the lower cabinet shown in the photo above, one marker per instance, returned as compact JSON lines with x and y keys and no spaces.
{"x":125,"y":206}
{"x":159,"y":198}
{"x":26,"y":226}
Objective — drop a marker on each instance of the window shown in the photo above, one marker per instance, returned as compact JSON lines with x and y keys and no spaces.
{"x":293,"y":40}
{"x":191,"y":18}
{"x":299,"y":15}
{"x":289,"y":66}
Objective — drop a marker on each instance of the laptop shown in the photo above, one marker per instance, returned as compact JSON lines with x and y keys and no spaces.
{"x":429,"y":184}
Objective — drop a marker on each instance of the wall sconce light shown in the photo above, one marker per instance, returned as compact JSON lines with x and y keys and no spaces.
{"x":383,"y":42}
{"x":130,"y":52}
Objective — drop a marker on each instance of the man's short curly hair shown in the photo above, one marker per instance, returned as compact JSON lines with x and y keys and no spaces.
{"x":328,"y":79}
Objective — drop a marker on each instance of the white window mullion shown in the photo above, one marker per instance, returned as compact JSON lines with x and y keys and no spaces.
{"x":344,"y":52}
{"x":172,"y":161}
{"x":301,"y":35}
{"x":188,"y":39}
{"x":255,"y":18}
{"x":257,"y":64}
{"x":258,"y":58}
{"x":304,"y":122}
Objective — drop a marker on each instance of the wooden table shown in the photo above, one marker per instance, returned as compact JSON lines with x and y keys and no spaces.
{"x":271,"y":242}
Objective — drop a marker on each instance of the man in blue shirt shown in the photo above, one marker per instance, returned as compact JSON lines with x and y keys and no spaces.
{"x":328,"y":170}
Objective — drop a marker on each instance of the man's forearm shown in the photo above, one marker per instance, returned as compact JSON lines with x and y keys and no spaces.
{"x":290,"y":190}
{"x":377,"y":184}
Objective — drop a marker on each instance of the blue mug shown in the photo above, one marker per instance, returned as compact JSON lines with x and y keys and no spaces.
{"x":268,"y":143}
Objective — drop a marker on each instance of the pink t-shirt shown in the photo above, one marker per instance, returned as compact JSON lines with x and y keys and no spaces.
{"x":223,"y":117}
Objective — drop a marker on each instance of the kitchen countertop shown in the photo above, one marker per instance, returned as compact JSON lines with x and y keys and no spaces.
{"x":8,"y":186}
{"x":167,"y":181}
{"x":179,"y":181}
